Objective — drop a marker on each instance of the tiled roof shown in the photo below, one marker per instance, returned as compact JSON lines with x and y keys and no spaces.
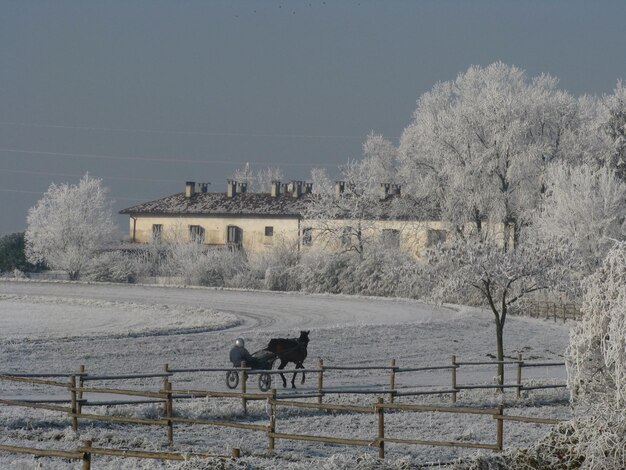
{"x":220,"y":204}
{"x":263,"y":204}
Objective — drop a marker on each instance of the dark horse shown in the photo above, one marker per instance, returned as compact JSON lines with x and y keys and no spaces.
{"x":290,"y":350}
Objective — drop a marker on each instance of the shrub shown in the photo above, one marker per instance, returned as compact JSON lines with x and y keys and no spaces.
{"x":12,"y":255}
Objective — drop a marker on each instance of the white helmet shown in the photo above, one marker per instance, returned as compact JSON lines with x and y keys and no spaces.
{"x":239,"y":342}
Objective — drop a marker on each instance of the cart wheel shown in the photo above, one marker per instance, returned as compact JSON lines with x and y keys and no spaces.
{"x":265,"y":382}
{"x":232,"y":379}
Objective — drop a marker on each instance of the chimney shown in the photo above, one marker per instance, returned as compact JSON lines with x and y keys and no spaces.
{"x":339,"y":188}
{"x":204,"y":187}
{"x":295,"y":188}
{"x":231,"y":188}
{"x":308,"y":188}
{"x":190,"y":188}
{"x":384,"y":190}
{"x":284,"y":188}
{"x":275,"y":188}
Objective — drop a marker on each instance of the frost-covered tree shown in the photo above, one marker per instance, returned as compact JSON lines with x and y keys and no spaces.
{"x":347,"y":217}
{"x":259,"y":181}
{"x":245,"y":175}
{"x":196,"y":263}
{"x":69,"y":225}
{"x":615,"y":127}
{"x":596,"y":357}
{"x":583,"y":208}
{"x":499,"y":279}
{"x":379,"y":156}
{"x":481,"y":143}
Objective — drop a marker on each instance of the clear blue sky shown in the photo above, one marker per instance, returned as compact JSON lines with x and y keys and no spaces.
{"x":147,"y":94}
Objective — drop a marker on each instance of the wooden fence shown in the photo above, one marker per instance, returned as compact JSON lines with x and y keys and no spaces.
{"x":77,"y":387}
{"x":86,"y":452}
{"x":550,"y":310}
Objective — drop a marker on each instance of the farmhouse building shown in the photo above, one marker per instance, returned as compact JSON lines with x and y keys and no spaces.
{"x":254,"y":222}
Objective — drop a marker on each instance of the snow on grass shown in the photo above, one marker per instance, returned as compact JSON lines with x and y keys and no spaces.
{"x":344,"y":330}
{"x":36,"y":317}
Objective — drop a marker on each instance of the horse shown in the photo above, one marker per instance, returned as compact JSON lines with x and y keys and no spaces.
{"x":290,"y":350}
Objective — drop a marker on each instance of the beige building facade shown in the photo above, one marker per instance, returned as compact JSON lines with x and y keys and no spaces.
{"x":255,"y":222}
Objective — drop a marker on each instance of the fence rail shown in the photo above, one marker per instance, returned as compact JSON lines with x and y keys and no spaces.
{"x":86,"y":451}
{"x":167,"y":395}
{"x":553,"y":310}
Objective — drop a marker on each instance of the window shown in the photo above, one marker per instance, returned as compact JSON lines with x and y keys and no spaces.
{"x":436,"y":237}
{"x":196,"y":234}
{"x":346,"y":235}
{"x":157,"y":232}
{"x":234,"y":235}
{"x":391,"y":238}
{"x":307,"y":236}
{"x":269,"y":231}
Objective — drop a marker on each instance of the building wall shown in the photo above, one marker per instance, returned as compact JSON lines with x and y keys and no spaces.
{"x":215,"y":229}
{"x":414,"y":236}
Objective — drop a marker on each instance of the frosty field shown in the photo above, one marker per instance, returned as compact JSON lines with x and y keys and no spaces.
{"x":124,"y":329}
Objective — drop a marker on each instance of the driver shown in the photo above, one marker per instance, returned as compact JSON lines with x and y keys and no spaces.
{"x":239,"y":354}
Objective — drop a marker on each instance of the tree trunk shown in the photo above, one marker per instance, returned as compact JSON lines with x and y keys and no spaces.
{"x":500,"y":348}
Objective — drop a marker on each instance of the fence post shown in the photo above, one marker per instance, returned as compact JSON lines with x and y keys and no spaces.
{"x":74,"y":409}
{"x":453,"y":373}
{"x":235,"y":452}
{"x":518,"y":389}
{"x":272,"y":425}
{"x":166,"y":380}
{"x":320,"y":380}
{"x":499,"y":428}
{"x":380,"y":414}
{"x":169,"y":414}
{"x":81,"y":384}
{"x":392,"y":380}
{"x":244,"y":379}
{"x":554,"y":311}
{"x":87,"y":455}
{"x":564,"y":312}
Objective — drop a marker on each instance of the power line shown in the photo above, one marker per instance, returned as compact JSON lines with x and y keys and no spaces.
{"x":43,"y":192}
{"x":166,"y":132}
{"x":151,"y":159}
{"x":125,"y":178}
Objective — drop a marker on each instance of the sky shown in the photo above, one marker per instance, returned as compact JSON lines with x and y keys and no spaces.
{"x":148,"y":94}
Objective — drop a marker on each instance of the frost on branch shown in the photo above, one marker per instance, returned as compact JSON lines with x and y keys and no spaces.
{"x":474,"y":271}
{"x":596,"y":363}
{"x":596,"y":356}
{"x":69,"y":225}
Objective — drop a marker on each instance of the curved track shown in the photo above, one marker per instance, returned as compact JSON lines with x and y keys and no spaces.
{"x":257,"y":310}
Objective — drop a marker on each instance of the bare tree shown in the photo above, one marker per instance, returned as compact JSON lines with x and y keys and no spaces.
{"x":502,"y":278}
{"x":69,"y":225}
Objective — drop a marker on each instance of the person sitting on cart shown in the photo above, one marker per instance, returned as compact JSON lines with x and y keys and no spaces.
{"x":240,"y":354}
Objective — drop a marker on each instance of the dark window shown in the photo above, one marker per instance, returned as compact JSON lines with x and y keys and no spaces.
{"x":307,"y":236}
{"x":269,"y":231}
{"x":391,"y":238}
{"x":346,"y":235}
{"x":196,"y":234}
{"x":234,"y":235}
{"x":157,"y":232}
{"x":436,"y":237}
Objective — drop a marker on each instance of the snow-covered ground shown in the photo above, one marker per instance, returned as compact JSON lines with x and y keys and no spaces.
{"x":123,"y":328}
